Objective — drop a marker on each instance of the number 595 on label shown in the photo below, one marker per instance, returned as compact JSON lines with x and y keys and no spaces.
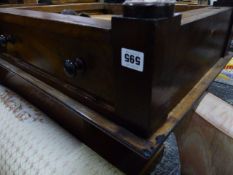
{"x":132,"y":59}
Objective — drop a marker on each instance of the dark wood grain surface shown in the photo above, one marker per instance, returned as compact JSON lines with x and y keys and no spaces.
{"x":178,"y":52}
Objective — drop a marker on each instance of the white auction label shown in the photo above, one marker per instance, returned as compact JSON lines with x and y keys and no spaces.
{"x":132,"y":59}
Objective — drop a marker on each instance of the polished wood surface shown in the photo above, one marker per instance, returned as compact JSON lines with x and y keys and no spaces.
{"x":229,"y":3}
{"x":178,"y":113}
{"x":71,"y":1}
{"x":44,"y":40}
{"x":216,"y":112}
{"x":109,"y":8}
{"x":183,"y":54}
{"x":186,"y":7}
{"x":32,"y":3}
{"x":101,"y":134}
{"x":205,"y":138}
{"x":168,"y":75}
{"x":18,"y":4}
{"x":71,"y":6}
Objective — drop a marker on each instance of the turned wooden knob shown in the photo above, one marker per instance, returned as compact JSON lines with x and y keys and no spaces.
{"x":4,"y":39}
{"x":72,"y":66}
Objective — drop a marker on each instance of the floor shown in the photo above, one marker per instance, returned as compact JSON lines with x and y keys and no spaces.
{"x":170,"y":163}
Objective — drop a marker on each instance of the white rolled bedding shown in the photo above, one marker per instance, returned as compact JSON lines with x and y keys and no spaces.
{"x":32,"y":144}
